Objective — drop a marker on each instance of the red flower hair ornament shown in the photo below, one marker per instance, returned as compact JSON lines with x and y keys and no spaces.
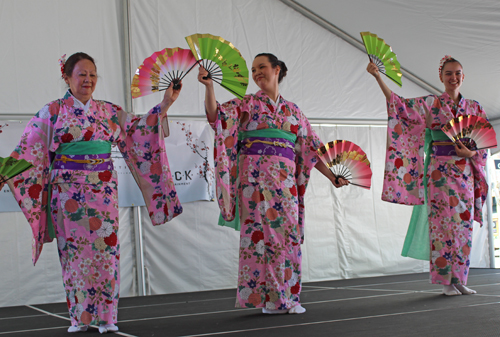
{"x":62,"y":63}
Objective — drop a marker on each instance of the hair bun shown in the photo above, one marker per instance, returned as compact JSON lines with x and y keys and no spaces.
{"x":283,"y":67}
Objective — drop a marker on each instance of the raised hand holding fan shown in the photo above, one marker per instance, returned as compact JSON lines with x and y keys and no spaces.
{"x":382,"y":55}
{"x":164,"y":67}
{"x":348,"y":161}
{"x":222,"y":60}
{"x":474,"y":132}
{"x":11,"y":167}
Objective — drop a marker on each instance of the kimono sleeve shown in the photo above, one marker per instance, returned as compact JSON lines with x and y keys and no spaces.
{"x":143,"y":148}
{"x":478,"y":162}
{"x":305,"y":159}
{"x":225,"y":156}
{"x":30,"y":188}
{"x":404,"y":161}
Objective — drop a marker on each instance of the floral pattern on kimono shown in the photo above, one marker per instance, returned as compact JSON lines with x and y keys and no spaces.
{"x":84,"y":203}
{"x":270,"y":190}
{"x":456,"y":186}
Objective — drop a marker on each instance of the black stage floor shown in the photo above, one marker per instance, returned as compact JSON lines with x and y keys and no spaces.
{"x":400,"y":305}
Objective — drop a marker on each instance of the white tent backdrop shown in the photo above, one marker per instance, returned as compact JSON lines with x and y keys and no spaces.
{"x":358,"y":235}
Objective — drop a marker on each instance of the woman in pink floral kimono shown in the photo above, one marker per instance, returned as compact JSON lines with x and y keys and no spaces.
{"x":71,"y":192}
{"x":265,"y":150}
{"x":451,"y":181}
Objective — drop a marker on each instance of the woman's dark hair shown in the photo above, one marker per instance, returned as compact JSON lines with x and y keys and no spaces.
{"x":73,"y":60}
{"x":275,"y":62}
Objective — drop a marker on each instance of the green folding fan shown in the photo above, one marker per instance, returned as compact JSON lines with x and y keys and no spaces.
{"x":222,"y":60}
{"x":10,"y":167}
{"x":382,"y":55}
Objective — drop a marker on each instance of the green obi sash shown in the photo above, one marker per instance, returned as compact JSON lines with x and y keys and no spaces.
{"x":76,"y":148}
{"x":264,"y":133}
{"x":417,"y":241}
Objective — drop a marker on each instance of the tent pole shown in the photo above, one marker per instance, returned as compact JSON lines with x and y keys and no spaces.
{"x":139,"y":251}
{"x":354,"y":42}
{"x":489,"y":211}
{"x":128,"y":63}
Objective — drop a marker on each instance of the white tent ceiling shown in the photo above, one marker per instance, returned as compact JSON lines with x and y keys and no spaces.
{"x":422,"y":32}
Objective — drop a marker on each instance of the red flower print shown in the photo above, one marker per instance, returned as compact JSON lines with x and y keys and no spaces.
{"x":270,"y":107}
{"x":398,"y":163}
{"x":272,"y":214}
{"x":283,"y":175}
{"x":34,"y":191}
{"x":294,"y":129}
{"x":407,"y":178}
{"x":293,"y":190}
{"x":460,"y":162}
{"x":229,"y":141}
{"x":71,"y":205}
{"x":441,"y":262}
{"x":95,"y":223}
{"x":88,"y":135}
{"x":302,"y":189}
{"x":86,"y":318}
{"x":453,"y":201}
{"x":105,"y":175}
{"x":295,"y":289}
{"x":152,"y":120}
{"x":165,"y":209}
{"x":224,"y":124}
{"x":155,"y":168}
{"x":156,"y":195}
{"x":234,"y":171}
{"x":17,"y":182}
{"x":257,"y":236}
{"x":66,"y":138}
{"x":436,"y":175}
{"x":262,"y":126}
{"x":477,"y":193}
{"x":111,"y":240}
{"x":465,"y":216}
{"x":255,"y":299}
{"x":68,"y":302}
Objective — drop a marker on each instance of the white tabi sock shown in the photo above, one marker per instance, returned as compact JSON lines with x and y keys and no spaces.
{"x":274,"y":311}
{"x":298,"y":309}
{"x":450,"y":290}
{"x":102,"y":328}
{"x":80,"y":328}
{"x":464,"y":290}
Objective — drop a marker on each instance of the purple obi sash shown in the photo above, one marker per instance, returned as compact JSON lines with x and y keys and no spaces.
{"x":267,"y":147}
{"x":93,"y":162}
{"x":443,"y":150}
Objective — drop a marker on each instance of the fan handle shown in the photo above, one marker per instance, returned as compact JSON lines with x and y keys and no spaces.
{"x":176,"y":83}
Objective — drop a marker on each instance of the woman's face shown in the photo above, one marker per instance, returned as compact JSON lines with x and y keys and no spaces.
{"x":83,"y":80}
{"x":452,"y":76}
{"x":263,"y":74}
